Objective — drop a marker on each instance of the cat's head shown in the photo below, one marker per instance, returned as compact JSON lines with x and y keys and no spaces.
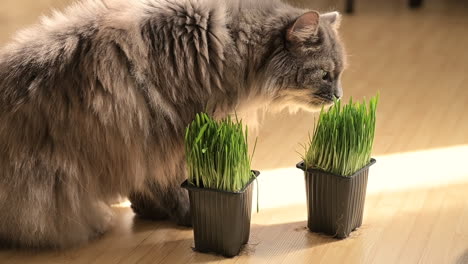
{"x":306,"y":67}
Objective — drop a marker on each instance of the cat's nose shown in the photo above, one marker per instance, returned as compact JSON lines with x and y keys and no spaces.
{"x":338,"y":93}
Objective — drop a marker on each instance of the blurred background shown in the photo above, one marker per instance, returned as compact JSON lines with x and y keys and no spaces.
{"x":417,"y":58}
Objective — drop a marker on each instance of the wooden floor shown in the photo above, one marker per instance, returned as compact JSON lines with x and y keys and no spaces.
{"x":417,"y":203}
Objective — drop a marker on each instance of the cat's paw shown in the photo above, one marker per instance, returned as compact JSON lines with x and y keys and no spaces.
{"x":154,"y":214}
{"x":147,"y":209}
{"x":102,"y":220}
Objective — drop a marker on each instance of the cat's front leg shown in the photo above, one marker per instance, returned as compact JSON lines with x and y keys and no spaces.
{"x":178,"y":204}
{"x":144,"y":205}
{"x":157,"y":203}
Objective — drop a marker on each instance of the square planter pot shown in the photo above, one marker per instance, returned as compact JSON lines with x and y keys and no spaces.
{"x":335,"y":204}
{"x":221,"y":219}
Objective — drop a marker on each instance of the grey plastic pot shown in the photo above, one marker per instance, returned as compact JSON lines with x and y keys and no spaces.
{"x":335,"y":203}
{"x":221,"y":219}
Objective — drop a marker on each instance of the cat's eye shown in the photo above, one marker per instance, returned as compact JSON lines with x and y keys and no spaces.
{"x":326,"y":76}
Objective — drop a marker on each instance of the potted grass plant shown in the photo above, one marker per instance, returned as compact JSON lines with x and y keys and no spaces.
{"x":336,"y":165}
{"x":219,"y":184}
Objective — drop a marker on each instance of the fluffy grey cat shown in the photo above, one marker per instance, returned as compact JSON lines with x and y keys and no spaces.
{"x":94,"y":102}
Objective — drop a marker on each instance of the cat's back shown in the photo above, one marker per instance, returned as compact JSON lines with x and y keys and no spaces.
{"x":175,"y":38}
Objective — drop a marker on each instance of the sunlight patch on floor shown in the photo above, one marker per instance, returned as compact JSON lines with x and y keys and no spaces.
{"x":391,"y":173}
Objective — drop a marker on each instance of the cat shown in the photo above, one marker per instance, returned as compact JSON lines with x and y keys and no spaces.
{"x":94,"y":102}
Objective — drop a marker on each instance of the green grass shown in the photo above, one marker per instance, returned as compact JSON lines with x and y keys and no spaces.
{"x":343,"y":138}
{"x":217,"y":153}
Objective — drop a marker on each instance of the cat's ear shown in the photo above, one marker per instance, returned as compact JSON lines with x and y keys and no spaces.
{"x":334,"y":18}
{"x":304,"y":28}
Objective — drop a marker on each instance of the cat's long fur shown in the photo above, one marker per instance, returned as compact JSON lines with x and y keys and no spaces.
{"x":94,"y":101}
